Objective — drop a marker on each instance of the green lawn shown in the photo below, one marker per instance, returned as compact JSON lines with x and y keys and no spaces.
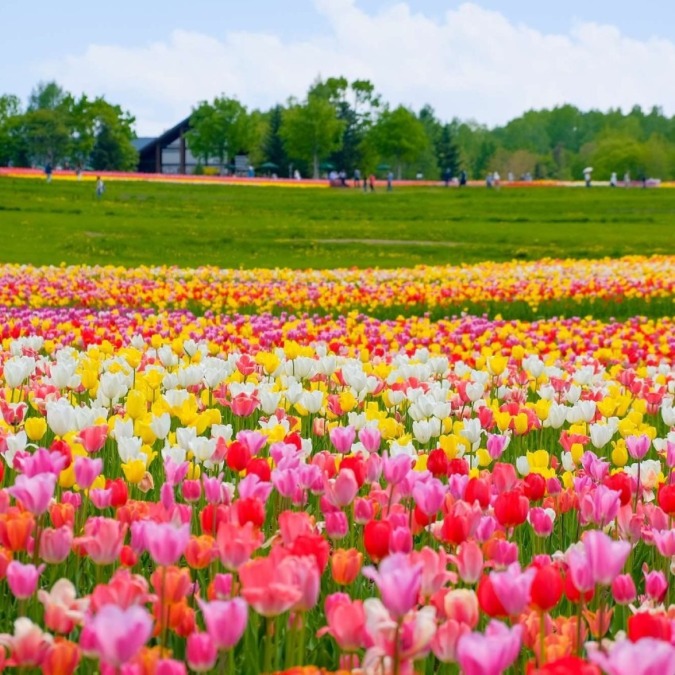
{"x":232,"y":226}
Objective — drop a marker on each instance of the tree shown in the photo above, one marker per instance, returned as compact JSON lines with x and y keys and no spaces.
{"x":220,"y":129}
{"x":11,"y":141}
{"x":311,"y":130}
{"x":273,"y":145}
{"x":400,"y":137}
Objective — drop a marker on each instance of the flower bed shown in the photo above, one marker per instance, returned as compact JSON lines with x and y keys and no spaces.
{"x":303,"y":493}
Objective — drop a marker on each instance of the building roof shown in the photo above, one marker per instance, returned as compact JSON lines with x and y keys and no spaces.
{"x":140,"y":143}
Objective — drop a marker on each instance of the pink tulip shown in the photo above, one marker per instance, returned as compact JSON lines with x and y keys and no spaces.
{"x":461,"y":605}
{"x":363,"y":510}
{"x":22,"y":579}
{"x":429,"y":496}
{"x":225,"y":621}
{"x":93,"y":438}
{"x":605,"y":556}
{"x":399,"y":582}
{"x":40,"y":461}
{"x":170,"y":667}
{"x":638,"y":446}
{"x":35,"y":493}
{"x":175,"y":472}
{"x":236,"y":543}
{"x":306,"y":577}
{"x":118,"y":634}
{"x":268,"y":587}
{"x":28,"y":645}
{"x":101,"y":498}
{"x":623,"y":589}
{"x":395,"y":469}
{"x":647,"y":656}
{"x":489,"y":654}
{"x":222,"y":586}
{"x":87,"y":470}
{"x":63,"y":611}
{"x":496,"y":444}
{"x":191,"y":490}
{"x":541,"y":521}
{"x":342,"y":438}
{"x":253,"y":440}
{"x":346,"y":622}
{"x":201,"y":652}
{"x":371,"y":438}
{"x":55,"y":545}
{"x":444,"y":642}
{"x":469,"y":562}
{"x":599,"y":506}
{"x":214,"y":489}
{"x":664,"y":540}
{"x":103,"y":539}
{"x":655,"y":583}
{"x":579,"y":569}
{"x":166,"y":543}
{"x":337,"y":525}
{"x":434,"y":569}
{"x":342,"y":490}
{"x":512,"y":588}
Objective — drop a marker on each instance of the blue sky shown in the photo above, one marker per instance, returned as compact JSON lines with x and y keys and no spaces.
{"x":487,"y":60}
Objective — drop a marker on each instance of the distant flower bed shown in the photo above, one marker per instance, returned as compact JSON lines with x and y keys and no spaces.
{"x":603,"y":284}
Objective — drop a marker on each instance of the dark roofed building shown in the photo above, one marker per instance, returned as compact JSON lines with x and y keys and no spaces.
{"x":168,"y":153}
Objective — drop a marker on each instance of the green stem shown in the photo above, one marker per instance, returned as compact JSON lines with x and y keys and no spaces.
{"x":267,"y":654}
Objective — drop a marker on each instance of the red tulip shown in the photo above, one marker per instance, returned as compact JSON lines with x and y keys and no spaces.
{"x":648,"y":625}
{"x":573,"y":595}
{"x":511,"y":508}
{"x":376,"y":535}
{"x":238,"y":456}
{"x":534,"y":487}
{"x":488,"y":600}
{"x":260,"y":467}
{"x":437,"y":463}
{"x":120,"y":492}
{"x":547,"y":588}
{"x":620,"y":482}
{"x":667,"y":499}
{"x":477,"y":490}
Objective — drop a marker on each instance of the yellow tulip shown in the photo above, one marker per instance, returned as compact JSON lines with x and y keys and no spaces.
{"x":619,"y":453}
{"x":134,"y":470}
{"x":35,"y":428}
{"x":136,"y":404}
{"x":194,"y":471}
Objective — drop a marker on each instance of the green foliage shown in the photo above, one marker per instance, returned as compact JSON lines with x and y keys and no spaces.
{"x":311,"y":130}
{"x":400,"y":137}
{"x":221,"y":129}
{"x":60,"y":129}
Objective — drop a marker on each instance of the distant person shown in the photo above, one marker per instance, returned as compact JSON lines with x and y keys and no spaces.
{"x":296,"y":175}
{"x":343,"y":178}
{"x":48,"y":172}
{"x":612,"y":179}
{"x":357,"y":177}
{"x":390,"y":181}
{"x":251,"y":171}
{"x":488,"y":180}
{"x":496,"y":178}
{"x":371,"y":182}
{"x":626,"y":179}
{"x":100,"y":187}
{"x":447,"y":175}
{"x":587,"y":177}
{"x":462,"y":179}
{"x":509,"y":177}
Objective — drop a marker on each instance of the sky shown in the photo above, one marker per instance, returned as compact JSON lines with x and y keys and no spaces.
{"x":484,"y":60}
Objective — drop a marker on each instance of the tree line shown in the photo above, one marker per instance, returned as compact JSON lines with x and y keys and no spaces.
{"x":345,"y":126}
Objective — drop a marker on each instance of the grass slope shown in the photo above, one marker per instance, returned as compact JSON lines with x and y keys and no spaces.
{"x":190,"y":225}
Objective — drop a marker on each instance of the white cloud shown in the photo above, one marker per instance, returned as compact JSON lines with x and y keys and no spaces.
{"x":473,"y":63}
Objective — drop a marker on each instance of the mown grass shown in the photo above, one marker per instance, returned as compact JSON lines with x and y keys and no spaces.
{"x":231,"y":226}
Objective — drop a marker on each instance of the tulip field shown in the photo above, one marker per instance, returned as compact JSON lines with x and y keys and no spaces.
{"x":414,"y":470}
